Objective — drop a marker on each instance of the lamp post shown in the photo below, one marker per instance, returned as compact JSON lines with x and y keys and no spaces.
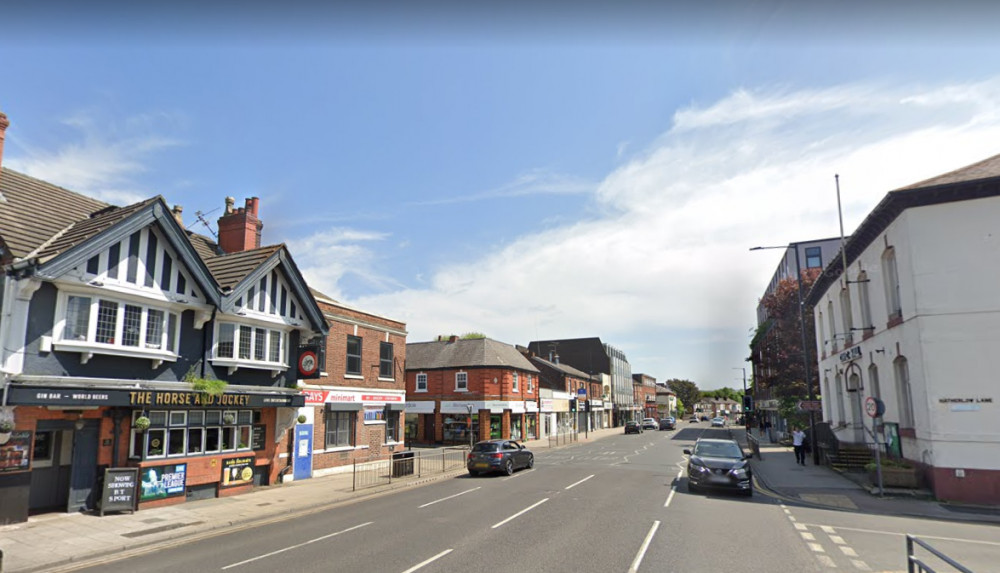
{"x":469,"y":408}
{"x":805,"y":349}
{"x":743,"y":407}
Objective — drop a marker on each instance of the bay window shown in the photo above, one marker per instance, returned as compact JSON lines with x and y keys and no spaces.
{"x":249,"y":344}
{"x":90,"y":323}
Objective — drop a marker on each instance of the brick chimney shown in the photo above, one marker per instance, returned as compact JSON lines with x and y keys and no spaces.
{"x":239,"y":229}
{"x":4,"y":124}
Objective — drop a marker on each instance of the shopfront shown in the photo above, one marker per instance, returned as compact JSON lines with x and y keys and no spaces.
{"x":74,"y":432}
{"x":419,"y":424}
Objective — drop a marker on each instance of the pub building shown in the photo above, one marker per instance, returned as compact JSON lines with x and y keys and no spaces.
{"x":127,"y":341}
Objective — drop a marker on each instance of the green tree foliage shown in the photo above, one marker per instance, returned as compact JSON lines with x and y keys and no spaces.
{"x":777,"y":345}
{"x":724,"y":394}
{"x":687,"y":391}
{"x":466,"y":336}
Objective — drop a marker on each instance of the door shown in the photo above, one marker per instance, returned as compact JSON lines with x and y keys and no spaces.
{"x":50,"y":468}
{"x":83,"y":473}
{"x":303,"y":451}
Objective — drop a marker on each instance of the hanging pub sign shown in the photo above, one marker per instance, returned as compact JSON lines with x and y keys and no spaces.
{"x":310,"y":361}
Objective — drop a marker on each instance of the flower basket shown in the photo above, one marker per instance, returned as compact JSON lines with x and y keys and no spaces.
{"x":141,"y":423}
{"x":302,"y":418}
{"x":6,"y":426}
{"x":229,"y":419}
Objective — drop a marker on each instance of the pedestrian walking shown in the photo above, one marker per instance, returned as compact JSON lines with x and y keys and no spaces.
{"x":798,"y":444}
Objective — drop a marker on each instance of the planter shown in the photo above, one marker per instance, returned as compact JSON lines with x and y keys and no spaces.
{"x":897,"y":477}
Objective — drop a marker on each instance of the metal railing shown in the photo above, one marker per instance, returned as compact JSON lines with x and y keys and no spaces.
{"x":562,"y":439}
{"x":915,"y":565}
{"x":408,"y":465}
{"x":754,"y":444}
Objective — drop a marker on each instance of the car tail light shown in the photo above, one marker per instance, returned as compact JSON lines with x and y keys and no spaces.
{"x":470,"y":456}
{"x":496,"y":456}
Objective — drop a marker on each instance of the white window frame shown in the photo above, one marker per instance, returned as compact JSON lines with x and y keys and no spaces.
{"x":890,"y":270}
{"x":256,"y":328}
{"x":421,"y":382}
{"x":89,"y":345}
{"x":464,"y":378}
{"x":515,"y":384}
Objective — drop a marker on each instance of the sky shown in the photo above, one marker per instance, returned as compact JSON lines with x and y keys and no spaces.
{"x":528,"y":170}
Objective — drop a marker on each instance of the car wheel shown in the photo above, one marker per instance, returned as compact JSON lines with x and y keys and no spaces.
{"x":473,"y":473}
{"x":508,"y":468}
{"x":531,"y":462}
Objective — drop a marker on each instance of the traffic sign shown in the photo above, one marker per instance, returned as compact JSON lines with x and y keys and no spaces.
{"x":810,"y":405}
{"x":874,"y":407}
{"x":581,"y":391}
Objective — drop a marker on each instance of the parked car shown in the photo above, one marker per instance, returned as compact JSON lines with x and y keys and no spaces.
{"x":719,"y":464}
{"x":499,"y":456}
{"x":693,"y":420}
{"x":668,"y":423}
{"x":704,"y":418}
{"x":718,"y":422}
{"x":650,"y":424}
{"x":633,"y":428}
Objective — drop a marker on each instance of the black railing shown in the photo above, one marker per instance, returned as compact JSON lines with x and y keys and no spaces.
{"x":916,"y":565}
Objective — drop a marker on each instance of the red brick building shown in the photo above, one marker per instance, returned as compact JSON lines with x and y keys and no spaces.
{"x":645,"y":394}
{"x":354,"y":410}
{"x":469,"y":389}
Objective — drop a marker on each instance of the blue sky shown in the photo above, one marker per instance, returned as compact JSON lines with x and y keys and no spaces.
{"x":513,"y":168}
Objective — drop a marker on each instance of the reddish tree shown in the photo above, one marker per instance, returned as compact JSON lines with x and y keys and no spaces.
{"x":780,"y":338}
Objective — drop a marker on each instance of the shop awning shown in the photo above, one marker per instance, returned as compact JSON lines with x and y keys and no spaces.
{"x":343,"y":406}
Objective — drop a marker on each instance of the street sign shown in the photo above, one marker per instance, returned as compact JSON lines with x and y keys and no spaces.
{"x":810,"y":405}
{"x":874,"y":407}
{"x":582,"y":391}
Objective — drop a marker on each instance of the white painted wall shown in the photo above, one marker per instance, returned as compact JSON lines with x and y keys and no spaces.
{"x":948,"y":262}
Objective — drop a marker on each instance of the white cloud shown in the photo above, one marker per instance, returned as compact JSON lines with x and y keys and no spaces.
{"x":666,"y":275}
{"x":101,"y":159}
{"x":535,"y":182}
{"x":328,"y":257}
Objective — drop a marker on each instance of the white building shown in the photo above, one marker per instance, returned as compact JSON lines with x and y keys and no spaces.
{"x":916,"y":324}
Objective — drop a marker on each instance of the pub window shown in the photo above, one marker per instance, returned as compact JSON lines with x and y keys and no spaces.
{"x":178,"y":433}
{"x":354,"y":355}
{"x":126,"y":326}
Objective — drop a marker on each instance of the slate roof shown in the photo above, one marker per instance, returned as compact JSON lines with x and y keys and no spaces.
{"x":205,"y":247}
{"x":34,"y":211}
{"x":464,"y":354}
{"x":230,"y":269}
{"x":85,"y":229}
{"x":977,"y":181}
{"x":564,"y":368}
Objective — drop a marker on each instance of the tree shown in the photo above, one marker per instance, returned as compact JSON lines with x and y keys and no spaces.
{"x":778,"y":342}
{"x":687,"y":391}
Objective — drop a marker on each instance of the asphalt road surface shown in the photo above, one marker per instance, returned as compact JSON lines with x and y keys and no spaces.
{"x":619,"y":504}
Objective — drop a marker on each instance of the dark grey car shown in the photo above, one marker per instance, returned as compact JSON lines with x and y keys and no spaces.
{"x":719,"y":464}
{"x":499,"y":456}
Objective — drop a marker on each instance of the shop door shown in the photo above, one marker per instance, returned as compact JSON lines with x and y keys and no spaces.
{"x":83,"y":473}
{"x":429,"y":429}
{"x":303,"y":451}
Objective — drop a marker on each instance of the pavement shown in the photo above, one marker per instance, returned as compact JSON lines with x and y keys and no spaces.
{"x":64,"y":541}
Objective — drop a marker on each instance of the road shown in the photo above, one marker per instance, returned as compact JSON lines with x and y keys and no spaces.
{"x":619,"y":504}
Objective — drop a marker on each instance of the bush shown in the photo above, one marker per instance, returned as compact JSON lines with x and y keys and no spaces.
{"x":889,"y":463}
{"x":6,"y":426}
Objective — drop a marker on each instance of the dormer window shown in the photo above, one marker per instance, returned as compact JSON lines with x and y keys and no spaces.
{"x":249,"y":346}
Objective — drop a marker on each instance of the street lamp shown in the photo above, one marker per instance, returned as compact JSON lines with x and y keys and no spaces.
{"x":805,"y":348}
{"x":469,"y":408}
{"x":743,"y":407}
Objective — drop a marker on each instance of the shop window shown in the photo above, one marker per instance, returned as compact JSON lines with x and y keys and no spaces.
{"x":391,"y":425}
{"x":339,"y":429}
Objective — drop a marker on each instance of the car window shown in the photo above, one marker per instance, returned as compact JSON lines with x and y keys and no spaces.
{"x":508,"y":446}
{"x":718,"y":450}
{"x":487,"y":447}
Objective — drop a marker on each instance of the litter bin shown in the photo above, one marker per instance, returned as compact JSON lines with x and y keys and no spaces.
{"x":402,"y":464}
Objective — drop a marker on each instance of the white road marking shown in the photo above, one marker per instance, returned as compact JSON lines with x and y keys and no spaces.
{"x":642,"y":550}
{"x":801,"y":526}
{"x":827,"y":529}
{"x":788,"y":512}
{"x":848,"y":551}
{"x":827,"y":560}
{"x":860,"y":565}
{"x":838,"y":540}
{"x":792,"y":519}
{"x":571,"y":486}
{"x":431,"y":560}
{"x":520,"y":513}
{"x":956,"y":539}
{"x":816,"y":547}
{"x":807,"y":536}
{"x":259,"y":557}
{"x":447,"y":498}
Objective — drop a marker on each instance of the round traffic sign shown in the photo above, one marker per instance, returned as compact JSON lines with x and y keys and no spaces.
{"x":874,"y":407}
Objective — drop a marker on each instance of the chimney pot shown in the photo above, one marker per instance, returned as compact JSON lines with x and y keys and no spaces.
{"x":230,"y":201}
{"x":452,"y":338}
{"x":178,"y":212}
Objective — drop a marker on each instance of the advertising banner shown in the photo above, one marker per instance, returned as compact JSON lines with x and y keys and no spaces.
{"x":15,"y":455}
{"x":237,"y":471}
{"x":160,"y":482}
